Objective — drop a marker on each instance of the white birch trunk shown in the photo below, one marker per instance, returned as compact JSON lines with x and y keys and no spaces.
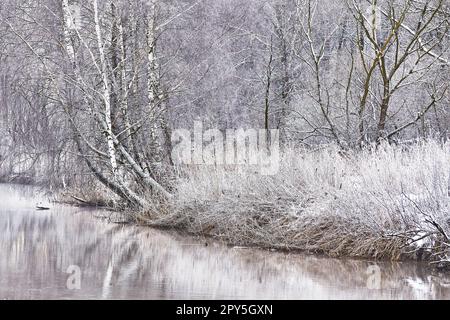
{"x":153,"y":78}
{"x":68,"y":21}
{"x":151,"y":56}
{"x":117,"y":187}
{"x":122,"y":71}
{"x":124,"y":83}
{"x":105,"y":121}
{"x":106,"y":91}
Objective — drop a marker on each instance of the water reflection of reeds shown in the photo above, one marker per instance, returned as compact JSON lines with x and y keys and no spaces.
{"x":118,"y":261}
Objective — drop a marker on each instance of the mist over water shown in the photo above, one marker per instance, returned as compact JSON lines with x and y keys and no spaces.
{"x":38,"y":248}
{"x":21,"y":197}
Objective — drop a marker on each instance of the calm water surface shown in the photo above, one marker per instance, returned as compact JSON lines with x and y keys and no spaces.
{"x":38,"y":248}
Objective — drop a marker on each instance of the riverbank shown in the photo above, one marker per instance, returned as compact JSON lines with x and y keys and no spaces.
{"x":390,"y":203}
{"x":42,"y":250}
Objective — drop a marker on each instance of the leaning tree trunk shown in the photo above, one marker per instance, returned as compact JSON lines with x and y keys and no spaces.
{"x":116,"y":185}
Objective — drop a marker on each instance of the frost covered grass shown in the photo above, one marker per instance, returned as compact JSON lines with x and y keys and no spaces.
{"x":391,"y":202}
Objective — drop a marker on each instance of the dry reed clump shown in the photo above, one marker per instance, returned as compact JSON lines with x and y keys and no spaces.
{"x":87,"y":193}
{"x":389,"y":203}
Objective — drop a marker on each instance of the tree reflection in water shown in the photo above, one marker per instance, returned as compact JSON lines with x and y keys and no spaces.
{"x":36,"y":249}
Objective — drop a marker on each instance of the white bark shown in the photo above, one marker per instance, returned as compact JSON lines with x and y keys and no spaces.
{"x":122,"y":71}
{"x":152,"y":77}
{"x":67,"y":39}
{"x":159,"y":129}
{"x":151,"y":56}
{"x":117,"y":186}
{"x":124,"y":86}
{"x":106,"y":91}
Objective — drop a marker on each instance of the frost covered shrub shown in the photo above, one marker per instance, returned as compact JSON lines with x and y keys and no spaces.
{"x":384,"y":202}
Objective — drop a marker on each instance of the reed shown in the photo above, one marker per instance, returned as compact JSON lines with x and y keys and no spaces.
{"x":389,"y":202}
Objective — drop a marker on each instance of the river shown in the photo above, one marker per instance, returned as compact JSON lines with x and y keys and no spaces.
{"x":69,"y":253}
